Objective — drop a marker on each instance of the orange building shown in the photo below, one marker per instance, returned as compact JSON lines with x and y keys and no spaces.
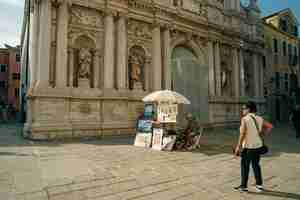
{"x":10,"y":75}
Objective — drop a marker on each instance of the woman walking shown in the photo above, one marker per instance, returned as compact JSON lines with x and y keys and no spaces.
{"x":249,"y":145}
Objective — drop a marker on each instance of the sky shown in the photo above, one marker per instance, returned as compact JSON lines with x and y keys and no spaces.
{"x":11,"y":13}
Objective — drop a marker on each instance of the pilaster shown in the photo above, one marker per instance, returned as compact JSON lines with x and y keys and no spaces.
{"x":34,"y":38}
{"x":43,"y":67}
{"x":256,"y":75}
{"x":121,"y":51}
{"x":167,"y":58}
{"x":211,"y":72}
{"x":242,"y":73}
{"x":218,"y":69}
{"x":156,"y":57}
{"x":70,"y":67}
{"x":62,"y":44}
{"x":96,"y":66}
{"x":109,"y":54}
{"x":236,"y":72}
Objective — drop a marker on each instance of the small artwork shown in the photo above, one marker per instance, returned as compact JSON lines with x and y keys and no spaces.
{"x":157,"y":139}
{"x":143,"y":140}
{"x":167,"y":112}
{"x":145,"y":126}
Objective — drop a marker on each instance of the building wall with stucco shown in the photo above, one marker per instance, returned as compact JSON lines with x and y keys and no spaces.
{"x":281,"y":62}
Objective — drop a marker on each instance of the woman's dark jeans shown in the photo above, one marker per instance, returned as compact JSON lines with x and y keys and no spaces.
{"x":250,"y":156}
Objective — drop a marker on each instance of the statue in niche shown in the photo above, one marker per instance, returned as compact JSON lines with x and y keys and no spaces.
{"x":136,"y":68}
{"x":226,"y":75}
{"x":136,"y":71}
{"x":85,"y":61}
{"x":226,"y":71}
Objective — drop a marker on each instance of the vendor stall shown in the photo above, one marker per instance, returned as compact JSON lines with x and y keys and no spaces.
{"x":160,"y":113}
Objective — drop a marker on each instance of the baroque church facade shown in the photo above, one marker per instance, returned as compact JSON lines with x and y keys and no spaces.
{"x":90,"y":62}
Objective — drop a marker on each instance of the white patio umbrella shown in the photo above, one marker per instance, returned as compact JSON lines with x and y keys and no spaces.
{"x":166,"y":96}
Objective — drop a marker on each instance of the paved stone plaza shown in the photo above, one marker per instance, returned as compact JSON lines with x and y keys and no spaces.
{"x":113,"y":169}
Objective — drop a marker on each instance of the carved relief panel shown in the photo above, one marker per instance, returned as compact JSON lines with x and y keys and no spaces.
{"x":86,"y":17}
{"x":139,"y":30}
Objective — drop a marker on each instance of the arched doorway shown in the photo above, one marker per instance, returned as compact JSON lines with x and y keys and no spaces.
{"x":190,"y":78}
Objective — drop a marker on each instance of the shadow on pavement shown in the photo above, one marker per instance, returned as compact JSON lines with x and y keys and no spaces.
{"x":274,"y":193}
{"x":213,"y":142}
{"x":12,"y":154}
{"x":223,"y":141}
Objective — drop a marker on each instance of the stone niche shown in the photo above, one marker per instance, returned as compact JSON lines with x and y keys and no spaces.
{"x":227,"y":81}
{"x":136,"y":68}
{"x":86,"y":28}
{"x":83,"y":62}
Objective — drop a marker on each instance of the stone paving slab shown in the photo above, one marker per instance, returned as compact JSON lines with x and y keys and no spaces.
{"x":115,"y":170}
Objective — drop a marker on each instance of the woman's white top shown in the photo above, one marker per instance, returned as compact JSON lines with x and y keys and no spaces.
{"x":252,"y":139}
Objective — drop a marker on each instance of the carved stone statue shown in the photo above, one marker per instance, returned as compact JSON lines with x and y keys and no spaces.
{"x":85,"y":61}
{"x":226,"y":82}
{"x":136,"y":71}
{"x":136,"y":66}
{"x":135,"y":74}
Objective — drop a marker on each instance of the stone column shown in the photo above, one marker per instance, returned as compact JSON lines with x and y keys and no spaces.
{"x":62,"y":45}
{"x":33,"y":52}
{"x":122,"y":52}
{"x":228,"y":4}
{"x":211,"y":72}
{"x":109,"y":53}
{"x":261,"y":77}
{"x":242,"y":73}
{"x":44,"y":45}
{"x":238,"y":5}
{"x":156,"y":57}
{"x":71,"y":67}
{"x":96,"y":67}
{"x":147,"y":74}
{"x":256,"y":75}
{"x":218,"y":69}
{"x":167,"y":59}
{"x":236,"y":71}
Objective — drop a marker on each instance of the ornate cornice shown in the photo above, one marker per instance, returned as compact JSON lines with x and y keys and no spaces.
{"x":110,"y":12}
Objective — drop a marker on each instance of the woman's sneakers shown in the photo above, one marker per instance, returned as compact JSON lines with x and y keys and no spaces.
{"x":259,"y":188}
{"x":241,"y":189}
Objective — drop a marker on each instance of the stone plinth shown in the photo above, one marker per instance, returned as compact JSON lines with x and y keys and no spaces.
{"x":84,"y":83}
{"x":138,"y":86}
